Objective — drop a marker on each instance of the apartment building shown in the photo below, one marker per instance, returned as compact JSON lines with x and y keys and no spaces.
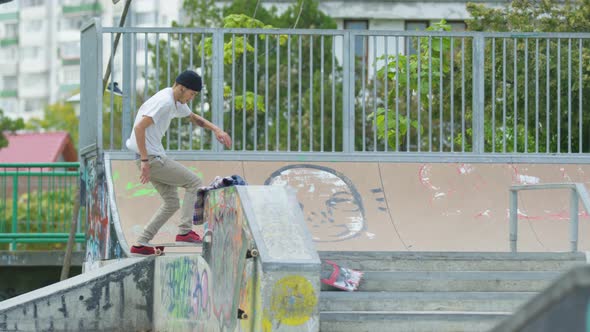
{"x":40,"y":46}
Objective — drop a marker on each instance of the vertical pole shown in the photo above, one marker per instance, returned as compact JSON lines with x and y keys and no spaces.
{"x":478,"y":93}
{"x":127,"y":68}
{"x":65,"y":269}
{"x":513,"y":219}
{"x":14,"y":210}
{"x":574,"y":219}
{"x":217,"y":86}
{"x":348,"y":93}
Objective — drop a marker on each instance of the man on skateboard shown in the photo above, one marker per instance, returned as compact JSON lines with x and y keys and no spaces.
{"x":166,"y":175}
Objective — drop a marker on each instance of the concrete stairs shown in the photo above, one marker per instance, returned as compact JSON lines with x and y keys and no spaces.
{"x":437,"y":291}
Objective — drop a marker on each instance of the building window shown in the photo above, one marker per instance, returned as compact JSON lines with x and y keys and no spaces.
{"x":31,"y":3}
{"x":9,"y":83}
{"x":70,"y":50}
{"x":9,"y":7}
{"x":71,"y":75}
{"x":33,"y":26}
{"x":31,"y":53}
{"x":145,"y":19}
{"x":411,"y":42}
{"x":8,"y":105}
{"x":360,"y":42}
{"x":73,"y":23}
{"x":457,"y":26}
{"x":8,"y":54}
{"x":31,"y":105}
{"x":32,"y":80}
{"x":10,"y":30}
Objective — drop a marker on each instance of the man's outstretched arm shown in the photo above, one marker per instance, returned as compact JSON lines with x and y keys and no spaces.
{"x":221,"y":135}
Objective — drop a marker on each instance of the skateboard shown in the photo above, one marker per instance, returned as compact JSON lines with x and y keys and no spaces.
{"x":340,"y":277}
{"x":159,"y":247}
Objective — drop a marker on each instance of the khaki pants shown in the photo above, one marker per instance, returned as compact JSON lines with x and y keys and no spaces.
{"x":166,"y":175}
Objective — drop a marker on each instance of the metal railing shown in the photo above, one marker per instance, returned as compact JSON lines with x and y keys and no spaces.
{"x":36,"y":204}
{"x":577,"y":191}
{"x":348,"y":91}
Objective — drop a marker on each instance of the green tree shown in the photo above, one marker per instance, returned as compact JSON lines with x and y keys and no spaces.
{"x":420,"y":74}
{"x":60,"y":116}
{"x":8,"y":125}
{"x":516,"y":125}
{"x":254,"y":103}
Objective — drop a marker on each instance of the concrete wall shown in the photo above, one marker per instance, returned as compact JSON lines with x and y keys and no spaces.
{"x":289,"y":282}
{"x":102,"y":240}
{"x":278,"y":290}
{"x":117,"y":297}
{"x":563,"y":306}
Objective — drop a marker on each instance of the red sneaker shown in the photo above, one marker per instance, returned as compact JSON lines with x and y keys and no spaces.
{"x":143,"y":250}
{"x":189,"y":237}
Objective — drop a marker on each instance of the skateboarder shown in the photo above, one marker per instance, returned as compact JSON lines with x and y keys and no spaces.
{"x":165,"y":174}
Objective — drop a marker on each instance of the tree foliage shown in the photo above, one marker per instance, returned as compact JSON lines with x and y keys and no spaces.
{"x":8,"y":125}
{"x":60,"y":116}
{"x":256,"y":68}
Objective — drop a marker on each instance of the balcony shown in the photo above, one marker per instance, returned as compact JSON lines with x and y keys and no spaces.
{"x":38,"y":90}
{"x":13,"y":16}
{"x":7,"y":93}
{"x":8,"y":67}
{"x":8,"y":42}
{"x":33,"y":66}
{"x":87,"y":7}
{"x":31,"y":13}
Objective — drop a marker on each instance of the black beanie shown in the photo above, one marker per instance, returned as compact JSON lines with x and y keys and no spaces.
{"x":190,"y":79}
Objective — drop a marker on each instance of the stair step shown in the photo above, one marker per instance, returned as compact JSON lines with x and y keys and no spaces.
{"x":489,"y":281}
{"x":409,"y":321}
{"x":418,"y":301}
{"x":454,"y":261}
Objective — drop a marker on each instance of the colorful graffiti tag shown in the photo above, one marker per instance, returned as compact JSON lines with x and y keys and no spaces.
{"x":97,"y":244}
{"x":228,"y":247}
{"x":342,"y":214}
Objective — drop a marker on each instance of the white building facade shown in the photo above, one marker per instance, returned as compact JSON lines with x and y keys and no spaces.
{"x":40,"y":46}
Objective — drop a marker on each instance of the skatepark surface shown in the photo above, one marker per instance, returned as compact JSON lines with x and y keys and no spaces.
{"x":371,"y":206}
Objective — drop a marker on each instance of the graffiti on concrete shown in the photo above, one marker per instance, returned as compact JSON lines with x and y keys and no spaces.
{"x":228,"y":245}
{"x":292,"y":302}
{"x":185,"y":291}
{"x":97,"y":244}
{"x":341,"y":216}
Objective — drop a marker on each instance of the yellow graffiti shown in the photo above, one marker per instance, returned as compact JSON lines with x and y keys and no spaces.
{"x":293,"y":300}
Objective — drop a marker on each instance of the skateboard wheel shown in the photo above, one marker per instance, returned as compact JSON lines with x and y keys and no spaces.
{"x":242,"y":314}
{"x":254,"y":252}
{"x":159,"y":252}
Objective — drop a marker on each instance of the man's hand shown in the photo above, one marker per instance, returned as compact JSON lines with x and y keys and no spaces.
{"x":145,"y":172}
{"x":223,"y":138}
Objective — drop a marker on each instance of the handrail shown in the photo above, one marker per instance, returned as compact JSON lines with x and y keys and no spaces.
{"x":577,"y":191}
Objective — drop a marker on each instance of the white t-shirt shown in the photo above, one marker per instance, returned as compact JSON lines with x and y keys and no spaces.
{"x":162,"y":109}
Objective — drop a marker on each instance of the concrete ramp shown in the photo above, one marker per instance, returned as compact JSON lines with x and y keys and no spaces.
{"x":366,"y":206}
{"x":116,"y":297}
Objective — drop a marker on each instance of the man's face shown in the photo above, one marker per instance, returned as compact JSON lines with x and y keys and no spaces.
{"x":187,"y":95}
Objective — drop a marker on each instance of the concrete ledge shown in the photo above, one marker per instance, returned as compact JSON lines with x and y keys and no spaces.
{"x":117,"y":297}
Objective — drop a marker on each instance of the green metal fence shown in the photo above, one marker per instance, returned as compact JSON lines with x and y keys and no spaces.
{"x":37,"y":205}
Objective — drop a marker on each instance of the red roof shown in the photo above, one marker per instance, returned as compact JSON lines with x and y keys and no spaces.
{"x":38,"y":148}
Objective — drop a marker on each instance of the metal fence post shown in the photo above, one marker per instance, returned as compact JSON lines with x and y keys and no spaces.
{"x":574,"y":219}
{"x":217,"y":86}
{"x":127,"y":84}
{"x":14,"y":210}
{"x":348,"y":93}
{"x":513,"y":219}
{"x":478,"y":93}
